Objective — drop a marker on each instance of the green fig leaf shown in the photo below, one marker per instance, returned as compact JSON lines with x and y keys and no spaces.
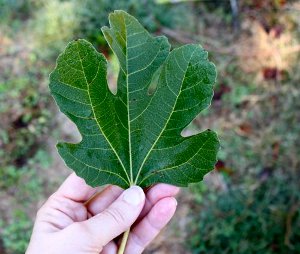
{"x":134,"y":137}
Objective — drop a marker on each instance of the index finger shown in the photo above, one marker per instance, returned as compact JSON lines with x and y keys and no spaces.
{"x":76,"y":189}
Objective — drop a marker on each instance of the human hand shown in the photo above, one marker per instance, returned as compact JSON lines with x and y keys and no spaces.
{"x":73,"y":222}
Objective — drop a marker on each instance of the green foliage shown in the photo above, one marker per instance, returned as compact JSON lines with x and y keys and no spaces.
{"x":21,"y":188}
{"x":53,"y":25}
{"x":16,"y":10}
{"x":24,"y":119}
{"x":152,"y":16}
{"x":14,"y":178}
{"x":137,"y":134}
{"x":263,"y":218}
{"x":16,"y":235}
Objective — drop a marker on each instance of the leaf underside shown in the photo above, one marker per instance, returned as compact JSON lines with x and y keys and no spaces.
{"x":132,"y":137}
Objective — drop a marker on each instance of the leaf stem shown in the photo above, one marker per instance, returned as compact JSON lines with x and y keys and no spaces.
{"x":124,"y":242}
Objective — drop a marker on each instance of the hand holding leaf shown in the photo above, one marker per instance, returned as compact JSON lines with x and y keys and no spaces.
{"x":131,"y":137}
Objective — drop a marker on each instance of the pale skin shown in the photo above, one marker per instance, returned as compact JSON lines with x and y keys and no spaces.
{"x":76,"y":219}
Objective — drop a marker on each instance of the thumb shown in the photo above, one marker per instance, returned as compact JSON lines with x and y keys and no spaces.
{"x":117,"y":218}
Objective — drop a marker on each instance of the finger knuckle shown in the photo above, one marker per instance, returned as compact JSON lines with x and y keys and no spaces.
{"x":50,"y":201}
{"x":139,"y":242}
{"x":117,"y":216}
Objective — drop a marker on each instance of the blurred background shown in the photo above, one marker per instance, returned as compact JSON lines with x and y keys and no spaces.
{"x":251,"y":202}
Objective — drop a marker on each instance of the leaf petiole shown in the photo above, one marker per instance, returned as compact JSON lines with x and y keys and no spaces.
{"x":124,"y":242}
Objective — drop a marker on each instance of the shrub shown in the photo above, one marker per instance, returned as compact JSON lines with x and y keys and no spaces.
{"x":263,"y":217}
{"x":152,"y":16}
{"x":16,"y":235}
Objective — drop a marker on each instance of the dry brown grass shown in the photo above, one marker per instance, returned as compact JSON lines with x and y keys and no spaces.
{"x":261,"y":49}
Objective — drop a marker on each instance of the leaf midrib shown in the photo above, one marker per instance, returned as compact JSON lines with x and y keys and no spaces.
{"x":128,"y":111}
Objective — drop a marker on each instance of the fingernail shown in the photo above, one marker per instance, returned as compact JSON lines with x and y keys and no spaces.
{"x":134,"y":195}
{"x":175,"y":201}
{"x":165,"y":209}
